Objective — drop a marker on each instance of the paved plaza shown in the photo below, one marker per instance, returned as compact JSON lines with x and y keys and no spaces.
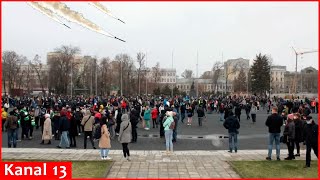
{"x":153,"y":164}
{"x":211,"y":136}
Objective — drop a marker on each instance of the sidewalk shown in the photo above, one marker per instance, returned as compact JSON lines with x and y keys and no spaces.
{"x":153,"y":164}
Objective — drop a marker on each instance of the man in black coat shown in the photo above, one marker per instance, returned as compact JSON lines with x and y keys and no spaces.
{"x":238,"y":111}
{"x":232,"y":124}
{"x":134,"y":119}
{"x":310,"y":137}
{"x":274,"y":123}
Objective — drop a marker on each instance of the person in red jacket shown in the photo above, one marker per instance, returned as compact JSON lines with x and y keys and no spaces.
{"x":123,"y":106}
{"x":154,"y":116}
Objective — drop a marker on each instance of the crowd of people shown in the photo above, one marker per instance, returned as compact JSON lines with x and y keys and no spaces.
{"x":103,"y":119}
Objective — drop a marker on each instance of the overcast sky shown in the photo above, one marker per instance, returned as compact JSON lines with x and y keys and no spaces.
{"x":240,"y":29}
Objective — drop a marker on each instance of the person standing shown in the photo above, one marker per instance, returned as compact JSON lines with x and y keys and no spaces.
{"x":11,"y":126}
{"x":232,"y":124}
{"x":168,"y":128}
{"x":201,"y":115}
{"x":73,"y":131}
{"x":237,"y":111}
{"x":221,"y":112}
{"x":274,"y":123}
{"x":104,"y":141}
{"x":87,"y":122}
{"x":298,"y":132}
{"x":253,"y":112}
{"x":63,"y":128}
{"x":47,"y":130}
{"x":189,"y":114}
{"x":310,"y":138}
{"x":289,"y":135}
{"x":147,"y":118}
{"x":154,"y":115}
{"x":248,"y":109}
{"x":183,"y":111}
{"x":134,"y":119}
{"x":125,"y":135}
{"x":4,"y":115}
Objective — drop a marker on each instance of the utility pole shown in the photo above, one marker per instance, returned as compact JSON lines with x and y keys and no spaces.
{"x":91,"y":81}
{"x":121,"y":78}
{"x":146,"y":76}
{"x":172,"y":70}
{"x":224,"y":73}
{"x":197,"y":74}
{"x":71,"y":77}
{"x":96,"y":69}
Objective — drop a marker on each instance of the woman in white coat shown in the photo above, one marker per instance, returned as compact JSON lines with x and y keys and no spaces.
{"x":47,"y":130}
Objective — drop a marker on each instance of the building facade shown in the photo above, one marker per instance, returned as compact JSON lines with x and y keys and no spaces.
{"x":277,"y":79}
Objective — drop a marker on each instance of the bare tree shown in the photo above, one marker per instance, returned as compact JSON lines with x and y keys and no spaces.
{"x":217,"y":68}
{"x":11,"y":63}
{"x":156,"y":73}
{"x":37,"y":66}
{"x":60,"y":66}
{"x":187,"y":74}
{"x":228,"y":71}
{"x":140,"y":60}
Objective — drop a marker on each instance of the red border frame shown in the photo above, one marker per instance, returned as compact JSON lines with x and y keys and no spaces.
{"x":174,"y":1}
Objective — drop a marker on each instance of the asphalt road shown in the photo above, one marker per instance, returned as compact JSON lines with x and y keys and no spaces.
{"x":211,"y":136}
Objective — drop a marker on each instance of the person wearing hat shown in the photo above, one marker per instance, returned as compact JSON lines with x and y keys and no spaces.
{"x":289,"y":135}
{"x":125,"y":135}
{"x":310,"y":138}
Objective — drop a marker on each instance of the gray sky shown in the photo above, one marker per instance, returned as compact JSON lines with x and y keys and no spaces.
{"x":240,"y":29}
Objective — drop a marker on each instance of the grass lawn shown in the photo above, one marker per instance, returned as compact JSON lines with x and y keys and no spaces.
{"x":80,"y":169}
{"x":275,"y":169}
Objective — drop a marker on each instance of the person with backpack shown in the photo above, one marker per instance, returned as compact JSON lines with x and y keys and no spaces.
{"x":87,"y":122}
{"x":104,"y":140}
{"x":11,"y":126}
{"x":310,"y":139}
{"x":169,"y":125}
{"x":232,"y":124}
{"x":125,"y":135}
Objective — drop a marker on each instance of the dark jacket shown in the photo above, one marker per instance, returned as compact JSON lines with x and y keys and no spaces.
{"x":73,"y":131}
{"x":11,"y":122}
{"x":289,"y":131}
{"x":310,"y":134}
{"x":200,"y":112}
{"x":274,"y":123}
{"x":232,"y":124}
{"x":237,"y":111}
{"x":63,"y":124}
{"x":298,"y":130}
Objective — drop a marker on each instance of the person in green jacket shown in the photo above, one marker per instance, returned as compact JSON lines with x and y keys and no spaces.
{"x":147,"y":117}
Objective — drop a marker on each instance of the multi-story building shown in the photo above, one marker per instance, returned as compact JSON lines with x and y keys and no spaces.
{"x":203,"y":85}
{"x":277,"y":79}
{"x":162,"y":76}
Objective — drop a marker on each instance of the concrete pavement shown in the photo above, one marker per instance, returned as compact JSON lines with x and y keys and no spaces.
{"x":153,"y":163}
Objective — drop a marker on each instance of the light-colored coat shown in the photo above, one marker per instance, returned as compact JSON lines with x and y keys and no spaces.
{"x":88,"y":126}
{"x":104,"y":141}
{"x":47,"y":130}
{"x":125,"y":136}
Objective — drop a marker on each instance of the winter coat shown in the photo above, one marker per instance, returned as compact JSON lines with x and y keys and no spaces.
{"x":147,"y":115}
{"x":298,"y":130}
{"x":289,"y":131}
{"x":189,"y":112}
{"x":4,"y":114}
{"x":47,"y":130}
{"x":125,"y":133}
{"x":11,"y":122}
{"x":88,"y":121}
{"x":232,"y":124}
{"x":73,"y":131}
{"x":104,"y":141}
{"x":274,"y":123}
{"x":63,"y":124}
{"x":310,"y":134}
{"x":200,"y":112}
{"x":154,"y":113}
{"x":237,"y":111}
